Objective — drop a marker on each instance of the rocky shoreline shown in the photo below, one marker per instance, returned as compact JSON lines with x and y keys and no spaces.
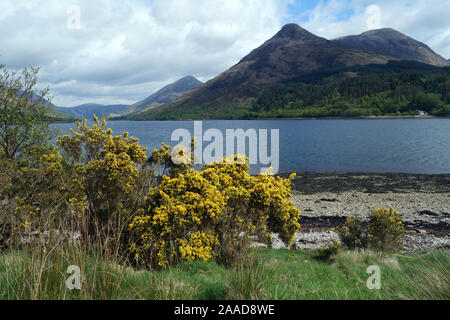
{"x":326,"y":199}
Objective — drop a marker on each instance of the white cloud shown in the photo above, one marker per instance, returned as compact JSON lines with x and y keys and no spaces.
{"x":126,"y":50}
{"x":424,"y":20}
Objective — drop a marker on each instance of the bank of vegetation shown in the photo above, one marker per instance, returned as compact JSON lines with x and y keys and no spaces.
{"x":92,"y":201}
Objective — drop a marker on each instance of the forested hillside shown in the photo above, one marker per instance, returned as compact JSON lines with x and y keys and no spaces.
{"x":397,"y":88}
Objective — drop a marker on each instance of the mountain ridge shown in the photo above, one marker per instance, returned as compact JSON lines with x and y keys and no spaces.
{"x":293,"y":53}
{"x":163,"y":95}
{"x":166,"y":94}
{"x":386,"y":41}
{"x":87,"y":110}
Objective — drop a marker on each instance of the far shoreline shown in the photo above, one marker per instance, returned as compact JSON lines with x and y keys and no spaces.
{"x":390,"y":117}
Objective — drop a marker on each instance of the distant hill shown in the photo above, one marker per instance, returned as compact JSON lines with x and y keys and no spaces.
{"x":164,"y":95}
{"x":88,"y":110}
{"x":56,"y":116}
{"x":292,"y":55}
{"x":52,"y":114}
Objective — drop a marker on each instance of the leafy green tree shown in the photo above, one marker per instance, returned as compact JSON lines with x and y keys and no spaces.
{"x":444,"y":111}
{"x":428,"y":101}
{"x":22,"y":111}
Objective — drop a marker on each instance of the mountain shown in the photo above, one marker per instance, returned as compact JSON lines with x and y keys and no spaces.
{"x":164,"y":95}
{"x":292,"y":55}
{"x":52,"y":114}
{"x":392,"y":43}
{"x":292,"y":52}
{"x":88,"y":110}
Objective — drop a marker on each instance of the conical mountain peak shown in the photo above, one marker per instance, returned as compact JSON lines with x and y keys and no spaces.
{"x":292,"y":32}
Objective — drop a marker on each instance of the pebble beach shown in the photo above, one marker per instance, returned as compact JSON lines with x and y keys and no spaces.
{"x":326,"y":199}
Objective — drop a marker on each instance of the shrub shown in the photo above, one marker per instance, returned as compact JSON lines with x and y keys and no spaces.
{"x":329,"y":251}
{"x":163,"y":159}
{"x":385,"y":229}
{"x":213,"y":212}
{"x":92,"y":182}
{"x":7,"y":170}
{"x":34,"y":200}
{"x":110,"y":176}
{"x":24,"y":138}
{"x":352,"y":234}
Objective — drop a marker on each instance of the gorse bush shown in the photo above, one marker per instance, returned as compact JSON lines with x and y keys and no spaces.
{"x":164,"y":159}
{"x":109,"y":176}
{"x":384,"y":231}
{"x":91,"y":182}
{"x":352,"y":235}
{"x":33,"y":200}
{"x":214,"y":212}
{"x":329,"y":251}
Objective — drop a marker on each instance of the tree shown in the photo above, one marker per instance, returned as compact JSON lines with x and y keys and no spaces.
{"x":428,"y":101}
{"x":22,"y":112}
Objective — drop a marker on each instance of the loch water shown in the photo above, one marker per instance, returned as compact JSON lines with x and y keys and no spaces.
{"x":372,"y":146}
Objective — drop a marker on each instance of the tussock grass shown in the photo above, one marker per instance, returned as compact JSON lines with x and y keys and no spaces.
{"x":42,"y":274}
{"x":249,"y":281}
{"x":265,"y":274}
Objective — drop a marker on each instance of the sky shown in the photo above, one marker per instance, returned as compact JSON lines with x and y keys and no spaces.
{"x":120,"y":52}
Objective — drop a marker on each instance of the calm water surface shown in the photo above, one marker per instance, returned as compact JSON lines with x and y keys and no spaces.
{"x":391,"y":145}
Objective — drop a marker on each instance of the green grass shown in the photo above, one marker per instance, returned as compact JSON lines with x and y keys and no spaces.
{"x":268,"y":274}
